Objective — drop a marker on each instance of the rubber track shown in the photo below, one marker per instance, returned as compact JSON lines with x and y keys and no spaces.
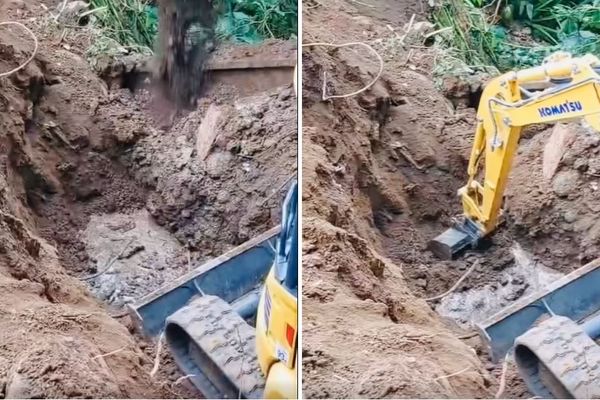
{"x":567,"y":352}
{"x":226,"y":338}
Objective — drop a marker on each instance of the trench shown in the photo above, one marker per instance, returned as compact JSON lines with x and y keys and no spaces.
{"x":509,"y":268}
{"x":127,"y":204}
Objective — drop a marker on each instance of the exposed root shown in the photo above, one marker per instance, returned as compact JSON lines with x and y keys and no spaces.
{"x":337,"y":46}
{"x":109,"y":264}
{"x":455,"y":286}
{"x":452,"y":374}
{"x":33,"y":54}
{"x":157,"y":356}
{"x":502,"y":386}
{"x":183,"y":378}
{"x":109,"y":354}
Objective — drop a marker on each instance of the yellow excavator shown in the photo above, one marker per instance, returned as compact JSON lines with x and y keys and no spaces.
{"x":551,"y":332}
{"x":562,"y":88}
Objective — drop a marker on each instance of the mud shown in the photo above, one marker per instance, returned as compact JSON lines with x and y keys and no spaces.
{"x":474,"y":306}
{"x":76,"y":195}
{"x":130,"y":256}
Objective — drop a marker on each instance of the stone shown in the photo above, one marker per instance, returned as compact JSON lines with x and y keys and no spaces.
{"x":570,"y":216}
{"x":565,"y":183}
{"x":207,"y":131}
{"x":555,"y":148}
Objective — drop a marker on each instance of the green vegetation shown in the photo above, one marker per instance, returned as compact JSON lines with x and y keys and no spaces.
{"x":133,"y":24}
{"x":250,"y":21}
{"x":484,"y":33}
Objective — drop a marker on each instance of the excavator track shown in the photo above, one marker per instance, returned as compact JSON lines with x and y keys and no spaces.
{"x":215,"y":346}
{"x":557,"y":359}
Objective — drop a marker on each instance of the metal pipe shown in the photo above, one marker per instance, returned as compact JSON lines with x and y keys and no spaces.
{"x":247,"y":305}
{"x":592,"y":327}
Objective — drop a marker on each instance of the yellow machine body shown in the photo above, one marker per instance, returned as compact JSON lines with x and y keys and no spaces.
{"x":276,"y":339}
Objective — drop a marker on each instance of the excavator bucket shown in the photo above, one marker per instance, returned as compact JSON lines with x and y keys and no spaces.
{"x":455,"y":240}
{"x":575,"y":296}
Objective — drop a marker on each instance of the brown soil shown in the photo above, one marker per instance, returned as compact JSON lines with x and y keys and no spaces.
{"x":74,"y":148}
{"x":367,"y":210}
{"x":269,"y":49}
{"x":380,"y":175}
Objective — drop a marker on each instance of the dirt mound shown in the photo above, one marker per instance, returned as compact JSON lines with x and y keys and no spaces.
{"x":555,"y":212}
{"x":220,"y":173}
{"x":52,"y":332}
{"x":380,"y":172}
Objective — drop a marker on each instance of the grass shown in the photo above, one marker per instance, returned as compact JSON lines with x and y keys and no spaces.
{"x":251,"y":21}
{"x":131,"y":23}
{"x":470,"y":36}
{"x":480,"y":41}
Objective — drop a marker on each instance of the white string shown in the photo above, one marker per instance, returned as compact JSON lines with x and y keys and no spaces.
{"x":340,"y":96}
{"x":35,"y":41}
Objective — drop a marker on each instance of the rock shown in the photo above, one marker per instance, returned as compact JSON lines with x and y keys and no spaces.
{"x":555,"y":148}
{"x":422,"y":283}
{"x":85,"y":193}
{"x":517,"y":280}
{"x":570,"y":216}
{"x":581,"y":164}
{"x":593,"y":235}
{"x":565,"y":183}
{"x":583,"y":224}
{"x":421,"y":27}
{"x":207,"y":131}
{"x":186,"y":155}
{"x":72,"y":10}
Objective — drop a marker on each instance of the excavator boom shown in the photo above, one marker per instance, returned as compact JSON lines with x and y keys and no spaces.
{"x":561,"y":89}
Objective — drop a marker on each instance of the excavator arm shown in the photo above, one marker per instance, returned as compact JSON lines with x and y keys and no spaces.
{"x":561,"y":89}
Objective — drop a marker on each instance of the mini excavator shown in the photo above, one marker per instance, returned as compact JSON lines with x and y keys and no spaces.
{"x":553,"y":331}
{"x":562,"y":88}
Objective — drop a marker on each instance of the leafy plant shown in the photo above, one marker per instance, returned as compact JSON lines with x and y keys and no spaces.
{"x":469,"y":34}
{"x":253,"y":20}
{"x":132,"y":23}
{"x":572,"y":26}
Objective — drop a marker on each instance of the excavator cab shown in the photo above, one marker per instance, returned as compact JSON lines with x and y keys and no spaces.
{"x":277,"y":317}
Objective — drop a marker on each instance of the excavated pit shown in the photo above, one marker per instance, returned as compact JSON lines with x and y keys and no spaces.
{"x":100,"y":205}
{"x":381,"y":170}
